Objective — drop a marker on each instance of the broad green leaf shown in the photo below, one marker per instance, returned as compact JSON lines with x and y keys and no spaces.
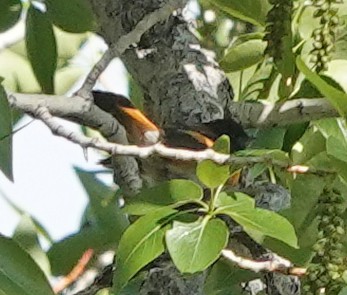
{"x":134,"y":285}
{"x":269,"y":138}
{"x":211,"y":174}
{"x":222,"y":144}
{"x":103,"y":231}
{"x":241,"y":209}
{"x":253,"y":11}
{"x":310,"y":144}
{"x":337,"y":98}
{"x":41,"y":48}
{"x":26,"y":235}
{"x":335,"y":127}
{"x":308,"y":90}
{"x":9,"y":13}
{"x":293,"y":133}
{"x":340,"y":167}
{"x":239,"y":80}
{"x":260,"y":83}
{"x":309,"y":186}
{"x":337,"y":148}
{"x":103,"y":204}
{"x":177,"y":191}
{"x":343,"y":291}
{"x":243,"y":56}
{"x":321,"y":162}
{"x":5,"y":135}
{"x":19,"y":274}
{"x":90,"y":237}
{"x":18,"y":73}
{"x":75,"y":16}
{"x":141,"y":243}
{"x":226,"y":278}
{"x":194,"y":246}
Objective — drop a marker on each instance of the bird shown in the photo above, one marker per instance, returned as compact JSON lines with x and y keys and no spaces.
{"x":142,"y":131}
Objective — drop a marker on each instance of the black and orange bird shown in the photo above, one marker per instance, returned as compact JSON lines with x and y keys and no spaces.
{"x":142,"y":131}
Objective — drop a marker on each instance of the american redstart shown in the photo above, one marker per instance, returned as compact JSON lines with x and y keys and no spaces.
{"x":142,"y":131}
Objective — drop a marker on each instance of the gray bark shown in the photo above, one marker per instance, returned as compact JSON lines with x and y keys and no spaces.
{"x":181,"y":82}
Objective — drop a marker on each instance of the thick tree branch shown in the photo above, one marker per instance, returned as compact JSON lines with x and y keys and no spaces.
{"x":266,"y":115}
{"x":45,"y":109}
{"x":254,"y":115}
{"x":125,"y":41}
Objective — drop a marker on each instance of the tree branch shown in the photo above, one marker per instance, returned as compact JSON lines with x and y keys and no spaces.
{"x":275,"y":264}
{"x":44,"y":109}
{"x":125,"y":41}
{"x":253,"y":114}
{"x":266,"y":114}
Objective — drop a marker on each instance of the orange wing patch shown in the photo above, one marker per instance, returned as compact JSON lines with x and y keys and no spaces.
{"x":208,"y":142}
{"x":140,"y":118}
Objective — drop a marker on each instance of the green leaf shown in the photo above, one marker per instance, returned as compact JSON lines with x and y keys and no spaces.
{"x":241,"y":209}
{"x":177,"y":191}
{"x":19,"y":274}
{"x":104,"y":229}
{"x":343,"y":291}
{"x":293,"y":133}
{"x":337,"y":98}
{"x":41,"y":48}
{"x":26,"y":236}
{"x":211,"y":174}
{"x":226,"y":279}
{"x":253,"y":11}
{"x":10,"y":13}
{"x":337,"y":148}
{"x":5,"y":135}
{"x":74,"y":16}
{"x":260,"y":83}
{"x":90,"y":237}
{"x":340,"y":167}
{"x":222,"y":144}
{"x":194,"y":246}
{"x":134,"y":285}
{"x":141,"y":243}
{"x":310,"y":144}
{"x":269,"y":138}
{"x":103,"y":204}
{"x":332,"y":127}
{"x":243,"y":56}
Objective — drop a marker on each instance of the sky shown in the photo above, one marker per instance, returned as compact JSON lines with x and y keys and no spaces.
{"x":45,"y":184}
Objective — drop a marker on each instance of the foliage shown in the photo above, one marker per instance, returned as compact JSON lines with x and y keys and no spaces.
{"x":275,"y":50}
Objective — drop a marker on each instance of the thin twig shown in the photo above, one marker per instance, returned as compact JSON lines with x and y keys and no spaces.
{"x":16,"y":130}
{"x":76,"y":272}
{"x":160,"y":149}
{"x":276,"y":264}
